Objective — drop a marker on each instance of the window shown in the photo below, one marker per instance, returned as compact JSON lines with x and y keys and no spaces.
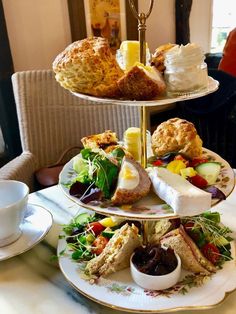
{"x":223,"y":21}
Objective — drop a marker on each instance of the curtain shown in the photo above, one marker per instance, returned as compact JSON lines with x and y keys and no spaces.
{"x":182,"y":14}
{"x":8,"y":117}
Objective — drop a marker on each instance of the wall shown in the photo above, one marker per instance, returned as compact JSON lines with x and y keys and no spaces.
{"x":200,"y":23}
{"x":39,"y":29}
{"x":161,"y":23}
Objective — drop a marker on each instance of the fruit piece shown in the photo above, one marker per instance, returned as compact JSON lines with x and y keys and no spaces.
{"x":108,"y":234}
{"x":209,"y":171}
{"x":99,"y":244}
{"x":196,"y":161}
{"x":157,"y":163}
{"x":198,"y":181}
{"x":90,"y":238}
{"x":95,"y":227}
{"x":82,"y":218}
{"x":175,"y":166}
{"x":110,"y":221}
{"x":180,"y":157}
{"x":188,"y":172}
{"x":211,"y":252}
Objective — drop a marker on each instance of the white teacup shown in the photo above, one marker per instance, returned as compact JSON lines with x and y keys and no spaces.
{"x":13,"y":203}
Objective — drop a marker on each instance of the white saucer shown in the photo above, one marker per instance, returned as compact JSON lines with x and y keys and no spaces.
{"x":36,"y":224}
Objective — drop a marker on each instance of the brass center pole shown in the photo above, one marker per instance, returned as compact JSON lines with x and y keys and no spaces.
{"x":143,"y":134}
{"x":142,"y":40}
{"x":142,"y":17}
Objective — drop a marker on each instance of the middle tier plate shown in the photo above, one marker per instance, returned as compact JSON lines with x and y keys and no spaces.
{"x":150,"y":207}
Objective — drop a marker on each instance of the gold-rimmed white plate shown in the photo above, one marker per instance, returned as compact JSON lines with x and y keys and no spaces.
{"x":150,"y":207}
{"x":211,"y":87}
{"x":118,"y":291}
{"x":35,"y":226}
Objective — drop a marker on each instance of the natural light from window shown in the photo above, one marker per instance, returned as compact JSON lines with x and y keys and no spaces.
{"x":223,"y":21}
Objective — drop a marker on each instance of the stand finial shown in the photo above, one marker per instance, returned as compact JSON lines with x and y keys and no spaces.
{"x":141,"y":17}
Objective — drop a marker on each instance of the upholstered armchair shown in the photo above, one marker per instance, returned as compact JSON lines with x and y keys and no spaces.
{"x":52,"y":120}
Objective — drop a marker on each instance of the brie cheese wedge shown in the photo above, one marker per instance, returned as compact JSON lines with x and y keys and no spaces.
{"x":184,"y":198}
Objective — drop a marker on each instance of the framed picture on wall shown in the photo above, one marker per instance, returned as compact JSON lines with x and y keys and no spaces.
{"x":111,"y":19}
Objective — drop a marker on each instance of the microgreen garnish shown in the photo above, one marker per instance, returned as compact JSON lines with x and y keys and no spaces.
{"x":210,"y":230}
{"x":97,"y":168}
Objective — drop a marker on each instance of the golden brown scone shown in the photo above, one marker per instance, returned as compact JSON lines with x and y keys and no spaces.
{"x":159,"y":56}
{"x":88,"y":66}
{"x":141,"y":83}
{"x":101,"y":140}
{"x":176,"y":135}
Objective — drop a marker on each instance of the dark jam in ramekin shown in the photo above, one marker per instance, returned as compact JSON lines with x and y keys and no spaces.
{"x":154,"y":260}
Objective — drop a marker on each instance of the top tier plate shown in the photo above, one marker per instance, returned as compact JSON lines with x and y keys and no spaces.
{"x":162,"y":100}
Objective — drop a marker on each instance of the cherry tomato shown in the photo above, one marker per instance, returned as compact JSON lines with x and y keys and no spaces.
{"x":99,"y":244}
{"x":95,"y":227}
{"x":196,"y":161}
{"x":198,"y":181}
{"x":211,"y":252}
{"x":157,"y":163}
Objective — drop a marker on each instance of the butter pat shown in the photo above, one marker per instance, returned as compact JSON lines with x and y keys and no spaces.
{"x":183,"y":197}
{"x":132,"y":142}
{"x":129,"y":50}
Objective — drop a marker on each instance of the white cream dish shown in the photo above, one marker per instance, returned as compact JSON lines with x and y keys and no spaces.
{"x":13,"y":203}
{"x":185,"y":69}
{"x":155,"y":267}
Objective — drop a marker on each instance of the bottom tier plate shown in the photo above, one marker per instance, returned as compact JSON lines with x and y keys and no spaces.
{"x":120,"y":292}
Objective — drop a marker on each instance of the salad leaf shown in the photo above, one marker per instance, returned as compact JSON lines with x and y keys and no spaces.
{"x":79,"y":164}
{"x":104,"y":171}
{"x":118,"y":153}
{"x":105,"y":175}
{"x":215,"y":192}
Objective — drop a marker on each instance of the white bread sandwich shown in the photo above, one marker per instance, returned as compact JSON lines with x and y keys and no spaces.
{"x":191,"y":257}
{"x":116,"y":254}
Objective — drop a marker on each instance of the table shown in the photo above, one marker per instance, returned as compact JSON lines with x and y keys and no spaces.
{"x":32,"y":282}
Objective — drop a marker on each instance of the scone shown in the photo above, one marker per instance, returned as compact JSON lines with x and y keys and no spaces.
{"x":159,"y":56}
{"x":141,"y":83}
{"x":88,"y":66}
{"x":176,"y":135}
